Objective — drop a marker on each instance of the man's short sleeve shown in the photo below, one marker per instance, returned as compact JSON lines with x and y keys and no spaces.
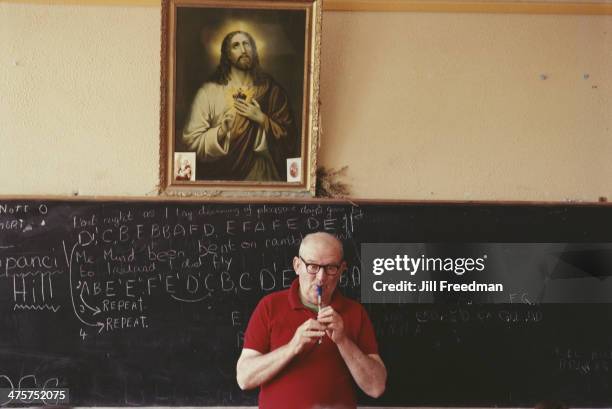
{"x":257,"y":335}
{"x":367,"y":338}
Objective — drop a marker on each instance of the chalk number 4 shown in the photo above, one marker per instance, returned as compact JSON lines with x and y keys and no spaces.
{"x":82,"y":333}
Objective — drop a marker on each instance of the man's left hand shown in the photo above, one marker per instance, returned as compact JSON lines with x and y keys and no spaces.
{"x":333,"y":322}
{"x":251,"y":110}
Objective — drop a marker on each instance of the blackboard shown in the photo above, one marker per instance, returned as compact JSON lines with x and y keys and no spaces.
{"x":145,"y":303}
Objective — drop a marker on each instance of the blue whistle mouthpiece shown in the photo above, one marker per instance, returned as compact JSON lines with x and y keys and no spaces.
{"x":319,"y":290}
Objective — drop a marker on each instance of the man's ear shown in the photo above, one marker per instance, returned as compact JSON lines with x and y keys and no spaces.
{"x":343,"y":266}
{"x":296,"y":264}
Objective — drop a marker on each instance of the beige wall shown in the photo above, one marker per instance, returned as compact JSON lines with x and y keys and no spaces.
{"x":452,"y":106}
{"x":418,"y":106}
{"x":79,"y":99}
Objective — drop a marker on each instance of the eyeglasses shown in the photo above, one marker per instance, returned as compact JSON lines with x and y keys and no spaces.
{"x":329,"y":269}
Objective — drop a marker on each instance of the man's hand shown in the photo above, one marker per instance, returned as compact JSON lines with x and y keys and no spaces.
{"x":226,"y":124}
{"x":368,"y":371}
{"x":250,"y":110}
{"x":307,"y":333}
{"x":334,"y":324}
{"x":254,"y":368}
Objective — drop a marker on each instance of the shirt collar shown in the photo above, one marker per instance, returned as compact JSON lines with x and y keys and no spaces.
{"x":295,"y":302}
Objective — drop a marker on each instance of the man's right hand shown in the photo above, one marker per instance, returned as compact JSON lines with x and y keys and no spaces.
{"x":255,"y":368}
{"x":307,"y":333}
{"x":226,"y":124}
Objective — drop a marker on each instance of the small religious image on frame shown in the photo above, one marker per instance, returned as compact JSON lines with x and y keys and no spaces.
{"x":240,"y":89}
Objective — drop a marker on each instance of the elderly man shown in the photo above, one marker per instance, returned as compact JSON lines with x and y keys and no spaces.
{"x":303,"y":353}
{"x":241,"y":126}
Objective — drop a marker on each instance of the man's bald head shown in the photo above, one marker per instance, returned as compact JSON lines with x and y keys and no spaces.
{"x":323,"y":251}
{"x":322,"y":239}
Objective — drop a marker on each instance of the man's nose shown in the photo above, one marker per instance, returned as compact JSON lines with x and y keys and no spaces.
{"x":242,"y":48}
{"x":320,"y":274}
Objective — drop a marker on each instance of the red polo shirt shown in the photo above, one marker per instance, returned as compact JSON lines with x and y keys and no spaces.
{"x":318,"y":376}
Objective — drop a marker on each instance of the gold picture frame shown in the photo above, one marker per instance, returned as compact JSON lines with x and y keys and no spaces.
{"x":240,"y":97}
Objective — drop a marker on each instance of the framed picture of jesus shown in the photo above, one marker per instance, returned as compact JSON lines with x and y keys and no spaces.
{"x":240,"y":89}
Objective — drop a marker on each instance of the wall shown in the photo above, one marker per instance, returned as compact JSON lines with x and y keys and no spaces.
{"x":418,"y":106}
{"x":79,"y":99}
{"x":453,"y":106}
